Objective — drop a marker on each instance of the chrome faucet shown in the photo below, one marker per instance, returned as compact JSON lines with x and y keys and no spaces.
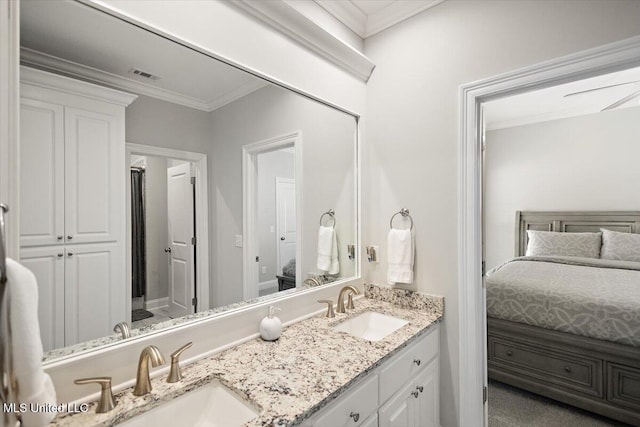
{"x":143,"y":384}
{"x":347,"y":288}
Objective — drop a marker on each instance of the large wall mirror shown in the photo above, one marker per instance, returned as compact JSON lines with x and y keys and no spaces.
{"x":159,"y":185}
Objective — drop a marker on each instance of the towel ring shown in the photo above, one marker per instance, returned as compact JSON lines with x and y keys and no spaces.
{"x":331,"y":214}
{"x":405,"y":213}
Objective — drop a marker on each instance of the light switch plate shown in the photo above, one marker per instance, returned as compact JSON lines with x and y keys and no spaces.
{"x":238,"y":240}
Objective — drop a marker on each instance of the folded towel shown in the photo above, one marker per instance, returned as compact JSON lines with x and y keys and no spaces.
{"x":399,"y":256}
{"x":34,"y":386}
{"x":328,"y":250}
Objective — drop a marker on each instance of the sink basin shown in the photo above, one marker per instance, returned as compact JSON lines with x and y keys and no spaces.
{"x":212,"y":405}
{"x":371,"y":326}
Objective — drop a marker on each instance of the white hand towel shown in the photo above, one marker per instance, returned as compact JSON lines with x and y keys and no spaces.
{"x":399,"y":256}
{"x":327,"y":250}
{"x":34,"y":385}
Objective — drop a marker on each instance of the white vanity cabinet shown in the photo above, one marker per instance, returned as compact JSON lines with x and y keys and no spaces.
{"x":72,"y":202}
{"x":403,"y":391}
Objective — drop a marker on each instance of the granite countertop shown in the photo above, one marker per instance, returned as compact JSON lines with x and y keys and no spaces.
{"x":291,"y":378}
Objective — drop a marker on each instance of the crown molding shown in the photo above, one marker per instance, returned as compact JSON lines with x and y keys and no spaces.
{"x":40,"y":78}
{"x":396,"y":12}
{"x":284,"y":18}
{"x":47,"y":62}
{"x":347,"y":13}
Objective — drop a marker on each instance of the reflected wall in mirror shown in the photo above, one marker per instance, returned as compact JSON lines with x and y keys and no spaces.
{"x":564,"y":157}
{"x":159,"y":185}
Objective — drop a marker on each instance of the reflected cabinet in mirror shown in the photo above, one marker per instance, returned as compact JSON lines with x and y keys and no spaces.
{"x":160,"y":185}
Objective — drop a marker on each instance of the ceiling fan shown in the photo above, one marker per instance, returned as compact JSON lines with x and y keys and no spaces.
{"x":621,"y":101}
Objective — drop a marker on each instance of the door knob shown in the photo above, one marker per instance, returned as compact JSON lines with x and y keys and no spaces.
{"x":282,"y":238}
{"x":167,"y":250}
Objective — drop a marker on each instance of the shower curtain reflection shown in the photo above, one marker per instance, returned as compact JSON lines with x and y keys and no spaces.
{"x":138,"y":253}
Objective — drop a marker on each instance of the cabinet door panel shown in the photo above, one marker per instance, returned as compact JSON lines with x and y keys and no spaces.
{"x":94,"y":152}
{"x":399,"y":411}
{"x":48,"y":267}
{"x":41,"y":173}
{"x":428,"y":406}
{"x":94,"y":296}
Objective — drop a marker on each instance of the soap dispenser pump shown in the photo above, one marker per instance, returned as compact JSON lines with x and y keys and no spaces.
{"x":271,"y":326}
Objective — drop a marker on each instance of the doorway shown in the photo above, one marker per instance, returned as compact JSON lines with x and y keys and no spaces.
{"x":472,"y":369}
{"x":169,"y":244}
{"x":272,"y":208}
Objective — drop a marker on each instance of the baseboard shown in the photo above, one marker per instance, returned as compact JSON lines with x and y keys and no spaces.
{"x":269,"y":284}
{"x":156,"y":303}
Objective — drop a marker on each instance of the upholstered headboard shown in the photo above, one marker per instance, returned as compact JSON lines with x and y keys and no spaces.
{"x":573,"y":222}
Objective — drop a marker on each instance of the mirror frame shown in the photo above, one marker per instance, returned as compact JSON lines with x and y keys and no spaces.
{"x":243,"y":307}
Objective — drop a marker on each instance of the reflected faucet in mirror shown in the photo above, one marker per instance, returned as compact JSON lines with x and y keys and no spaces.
{"x":123,"y":329}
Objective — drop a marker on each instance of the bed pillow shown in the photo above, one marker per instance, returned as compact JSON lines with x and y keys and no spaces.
{"x":620,"y":246}
{"x":548,"y":243}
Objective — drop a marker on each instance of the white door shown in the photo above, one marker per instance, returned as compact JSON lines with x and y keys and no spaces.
{"x":399,"y":411}
{"x":94,"y":155}
{"x":285,"y":221}
{"x":47,"y":264}
{"x":428,"y":404}
{"x":93,"y":291}
{"x":41,"y":173}
{"x":181,"y":232}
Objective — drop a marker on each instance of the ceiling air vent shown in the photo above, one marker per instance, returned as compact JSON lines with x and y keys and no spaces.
{"x":143,"y":74}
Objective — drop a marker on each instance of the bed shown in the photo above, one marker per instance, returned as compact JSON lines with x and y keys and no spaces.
{"x":568,"y":327}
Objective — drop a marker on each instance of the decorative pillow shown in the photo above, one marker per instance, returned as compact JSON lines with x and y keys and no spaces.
{"x":620,"y":246}
{"x":545,"y":243}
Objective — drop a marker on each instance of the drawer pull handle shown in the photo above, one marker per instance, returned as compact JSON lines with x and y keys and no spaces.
{"x":416,"y":361}
{"x":415,"y":394}
{"x":420,"y":388}
{"x":60,"y":255}
{"x":70,"y":254}
{"x":69,"y":237}
{"x":355,"y":416}
{"x":509,"y":353}
{"x":567,"y":369}
{"x":60,"y":237}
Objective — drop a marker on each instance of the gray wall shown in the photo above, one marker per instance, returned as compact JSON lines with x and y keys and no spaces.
{"x":412,"y":118}
{"x":328,"y":178}
{"x":579,"y":163}
{"x":270,"y":165}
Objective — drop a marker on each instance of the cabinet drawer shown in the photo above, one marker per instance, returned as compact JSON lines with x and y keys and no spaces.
{"x":623,"y":385}
{"x":573,"y":371}
{"x":405,"y":365}
{"x":353,"y":408}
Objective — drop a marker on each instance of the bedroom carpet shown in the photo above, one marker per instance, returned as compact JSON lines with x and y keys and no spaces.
{"x":512,"y":407}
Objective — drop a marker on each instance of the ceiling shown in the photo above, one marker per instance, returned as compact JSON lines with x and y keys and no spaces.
{"x":368,"y":17}
{"x":597,"y":93}
{"x":82,"y":42}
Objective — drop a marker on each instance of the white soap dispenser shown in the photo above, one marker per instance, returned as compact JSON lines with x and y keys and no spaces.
{"x":271,"y":326}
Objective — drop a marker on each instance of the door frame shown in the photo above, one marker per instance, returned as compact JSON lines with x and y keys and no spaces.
{"x":609,"y":58}
{"x":250,"y":245}
{"x":199,"y":162}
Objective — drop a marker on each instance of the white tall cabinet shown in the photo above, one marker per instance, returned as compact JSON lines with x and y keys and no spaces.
{"x":72,"y":197}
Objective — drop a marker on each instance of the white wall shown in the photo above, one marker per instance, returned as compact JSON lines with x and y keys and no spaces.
{"x":412,"y":122}
{"x":580,"y":163}
{"x":270,"y":165}
{"x":328,"y":179}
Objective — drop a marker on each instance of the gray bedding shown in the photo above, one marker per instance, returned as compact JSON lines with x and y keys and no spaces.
{"x":591,"y":297}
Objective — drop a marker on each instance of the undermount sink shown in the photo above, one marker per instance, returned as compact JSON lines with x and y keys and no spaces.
{"x":212,"y":405}
{"x":371,"y":326}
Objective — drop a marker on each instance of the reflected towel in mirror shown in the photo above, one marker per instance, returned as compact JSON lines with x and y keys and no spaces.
{"x":400,"y":251}
{"x":34,"y":385}
{"x":328,"y":250}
